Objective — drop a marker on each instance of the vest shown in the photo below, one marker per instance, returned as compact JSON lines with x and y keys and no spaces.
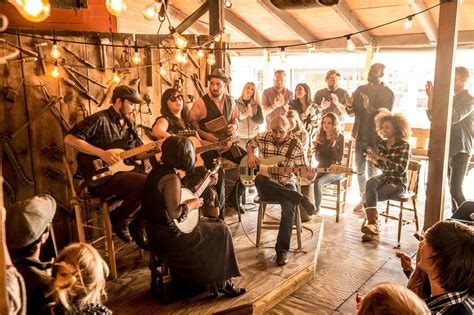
{"x":213,"y":113}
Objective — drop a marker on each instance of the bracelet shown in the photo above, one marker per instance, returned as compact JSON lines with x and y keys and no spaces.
{"x":184,"y":213}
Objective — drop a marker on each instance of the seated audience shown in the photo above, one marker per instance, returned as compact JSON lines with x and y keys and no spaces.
{"x":390,"y":299}
{"x":203,"y":258}
{"x":329,"y":149}
{"x":27,"y":229}
{"x":78,"y":284}
{"x":392,"y":158}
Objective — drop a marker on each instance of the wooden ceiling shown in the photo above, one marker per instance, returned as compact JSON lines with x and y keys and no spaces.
{"x":258,"y":23}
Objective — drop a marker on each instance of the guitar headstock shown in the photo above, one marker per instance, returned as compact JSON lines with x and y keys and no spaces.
{"x":339,"y":169}
{"x":217,"y":163}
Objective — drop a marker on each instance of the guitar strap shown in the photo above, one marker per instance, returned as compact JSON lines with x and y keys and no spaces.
{"x":291,"y":148}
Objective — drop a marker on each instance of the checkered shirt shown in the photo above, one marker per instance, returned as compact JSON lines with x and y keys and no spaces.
{"x":452,"y":303}
{"x":395,"y":170}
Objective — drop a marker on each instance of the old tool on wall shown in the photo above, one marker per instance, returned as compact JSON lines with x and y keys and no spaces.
{"x":23,"y":50}
{"x":80,"y":89}
{"x":39,"y":49}
{"x":103,"y":53}
{"x":84,"y":76}
{"x":79,"y":58}
{"x":11,"y":94}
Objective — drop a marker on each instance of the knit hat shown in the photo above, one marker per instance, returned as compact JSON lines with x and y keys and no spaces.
{"x":280,"y":122}
{"x":27,"y":220}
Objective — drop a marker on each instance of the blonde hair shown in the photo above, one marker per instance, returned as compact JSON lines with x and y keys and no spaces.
{"x":399,"y":122}
{"x":389,"y":298}
{"x":322,"y":136}
{"x":255,"y":96}
{"x":79,"y":276}
{"x":295,"y":117}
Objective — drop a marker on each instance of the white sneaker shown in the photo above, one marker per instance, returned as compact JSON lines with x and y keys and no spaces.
{"x":359,"y":207}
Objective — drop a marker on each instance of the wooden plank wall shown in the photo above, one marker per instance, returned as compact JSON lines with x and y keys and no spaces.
{"x":46,"y":133}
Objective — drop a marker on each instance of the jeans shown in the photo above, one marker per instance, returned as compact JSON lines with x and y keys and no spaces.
{"x":288,"y":198}
{"x":376,"y":190}
{"x":321,"y":180}
{"x":363,"y":165}
{"x":457,"y":168}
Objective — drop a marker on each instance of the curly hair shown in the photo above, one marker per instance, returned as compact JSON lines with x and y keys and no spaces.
{"x":321,"y":137}
{"x":399,"y":122}
{"x":165,"y":111}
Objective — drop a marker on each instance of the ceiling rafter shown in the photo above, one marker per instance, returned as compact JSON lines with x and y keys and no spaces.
{"x":245,"y":29}
{"x":284,"y":17}
{"x":349,"y":18}
{"x":196,"y":27}
{"x":425,"y":19}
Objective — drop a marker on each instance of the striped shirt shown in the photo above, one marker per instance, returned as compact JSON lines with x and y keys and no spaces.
{"x":452,"y":303}
{"x":395,"y":170}
{"x":267,"y":148}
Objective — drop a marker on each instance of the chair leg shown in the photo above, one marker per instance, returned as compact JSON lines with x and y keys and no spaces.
{"x":338,"y":199}
{"x":386,"y":211}
{"x":260,"y":214}
{"x":79,"y":224}
{"x":400,"y":222}
{"x":415,"y":214}
{"x":109,"y":240}
{"x":298,"y":226}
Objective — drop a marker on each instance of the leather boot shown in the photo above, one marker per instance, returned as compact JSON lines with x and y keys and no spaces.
{"x":372,"y":226}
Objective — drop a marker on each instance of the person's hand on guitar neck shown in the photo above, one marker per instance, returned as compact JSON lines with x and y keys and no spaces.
{"x":208,"y":136}
{"x":109,"y":157}
{"x":194,"y":203}
{"x":231,"y":129}
{"x":309,"y":173}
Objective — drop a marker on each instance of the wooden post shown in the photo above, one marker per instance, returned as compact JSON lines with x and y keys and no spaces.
{"x":3,"y":269}
{"x":441,"y":112}
{"x":369,"y":57}
{"x":216,"y":26}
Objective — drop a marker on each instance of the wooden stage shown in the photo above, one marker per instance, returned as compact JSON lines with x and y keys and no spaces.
{"x":266,"y":283}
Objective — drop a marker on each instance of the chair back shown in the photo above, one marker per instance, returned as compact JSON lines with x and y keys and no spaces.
{"x":77,"y":186}
{"x":347,"y":156}
{"x":413,"y":176}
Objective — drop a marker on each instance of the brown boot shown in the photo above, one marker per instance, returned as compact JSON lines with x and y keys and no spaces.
{"x":372,"y":226}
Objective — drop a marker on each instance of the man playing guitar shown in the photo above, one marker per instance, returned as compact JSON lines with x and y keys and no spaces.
{"x":95,"y":134}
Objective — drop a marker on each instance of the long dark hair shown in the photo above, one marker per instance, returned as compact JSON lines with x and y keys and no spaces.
{"x":307,"y":90}
{"x":165,"y":111}
{"x":322,"y":136}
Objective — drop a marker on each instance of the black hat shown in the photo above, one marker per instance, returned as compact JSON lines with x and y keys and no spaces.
{"x":124,"y":92}
{"x":219,"y":73}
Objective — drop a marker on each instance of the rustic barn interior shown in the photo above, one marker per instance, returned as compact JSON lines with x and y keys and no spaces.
{"x":44,"y":97}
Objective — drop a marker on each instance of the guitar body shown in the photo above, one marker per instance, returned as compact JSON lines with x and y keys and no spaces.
{"x":192,"y":220}
{"x":247,"y":175}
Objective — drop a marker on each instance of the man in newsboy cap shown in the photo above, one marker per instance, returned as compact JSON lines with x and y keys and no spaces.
{"x":27,"y":229}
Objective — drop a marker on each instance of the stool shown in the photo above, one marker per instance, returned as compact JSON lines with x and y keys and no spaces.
{"x":160,"y":278}
{"x":261,"y":224}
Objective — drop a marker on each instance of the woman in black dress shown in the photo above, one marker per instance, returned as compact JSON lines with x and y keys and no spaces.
{"x":205,"y":257}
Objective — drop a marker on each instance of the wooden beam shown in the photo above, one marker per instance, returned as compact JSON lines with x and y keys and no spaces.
{"x":441,"y":112}
{"x":216,"y":26}
{"x":284,"y":17}
{"x":193,"y":17}
{"x":425,"y":19}
{"x":346,"y":14}
{"x":245,"y":29}
{"x":196,"y":28}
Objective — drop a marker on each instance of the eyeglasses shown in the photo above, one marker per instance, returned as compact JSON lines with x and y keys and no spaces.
{"x":176,"y":97}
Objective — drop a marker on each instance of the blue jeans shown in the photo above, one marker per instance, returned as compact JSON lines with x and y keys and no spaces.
{"x":288,"y":198}
{"x":363,"y":165}
{"x":321,"y":180}
{"x":376,"y":190}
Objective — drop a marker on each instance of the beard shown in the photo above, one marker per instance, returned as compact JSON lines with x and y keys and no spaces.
{"x":373,"y":79}
{"x":216,"y":93}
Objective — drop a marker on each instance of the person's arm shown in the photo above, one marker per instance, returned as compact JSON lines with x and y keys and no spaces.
{"x":258,"y":116}
{"x":251,"y":145}
{"x":338,"y":148}
{"x":300,"y":160}
{"x":463,"y":109}
{"x":170,"y":187}
{"x":87,"y":148}
{"x":160,"y":128}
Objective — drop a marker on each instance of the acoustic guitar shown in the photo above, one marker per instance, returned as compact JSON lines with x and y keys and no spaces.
{"x":271,"y":166}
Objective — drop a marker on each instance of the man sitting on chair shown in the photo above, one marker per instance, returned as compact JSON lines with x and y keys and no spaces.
{"x":281,"y":187}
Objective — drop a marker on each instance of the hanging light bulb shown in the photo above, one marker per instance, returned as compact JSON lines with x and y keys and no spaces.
{"x":181,"y":56}
{"x":136,"y":58}
{"x":200,"y":53}
{"x":55,"y":53}
{"x":228,"y":4}
{"x":408,"y":24}
{"x":179,"y":40}
{"x":55,"y":72}
{"x":116,"y":78}
{"x":152,"y":10}
{"x":33,"y":10}
{"x":116,"y":7}
{"x":162,"y":70}
{"x":282,"y":55}
{"x":217,"y":38}
{"x":211,"y":58}
{"x":350,"y":44}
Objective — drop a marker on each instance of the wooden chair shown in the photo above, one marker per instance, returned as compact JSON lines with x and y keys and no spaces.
{"x":274,"y":225}
{"x":340,"y":187}
{"x":83,"y":201}
{"x":413,"y":176}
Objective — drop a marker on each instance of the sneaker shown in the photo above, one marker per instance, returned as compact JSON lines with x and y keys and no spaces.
{"x":304,"y":216}
{"x":372,"y":229}
{"x":138,"y":233}
{"x":369,"y":237}
{"x":307,"y":205}
{"x":359,"y":207}
{"x":230,"y":290}
{"x":281,"y":257}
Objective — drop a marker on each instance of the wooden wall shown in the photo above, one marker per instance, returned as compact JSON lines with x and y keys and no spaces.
{"x":33,"y":146}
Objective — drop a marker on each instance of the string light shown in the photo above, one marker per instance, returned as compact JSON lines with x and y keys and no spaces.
{"x":217,"y":38}
{"x":33,"y":10}
{"x":282,"y":54}
{"x":152,"y":10}
{"x":350,"y":44}
{"x":116,"y":7}
{"x":136,"y":58}
{"x":55,"y":72}
{"x":408,"y":24}
{"x":162,"y":70}
{"x":116,"y":78}
{"x":228,"y":4}
{"x":312,"y":49}
{"x":181,"y":56}
{"x":200,"y":53}
{"x":179,"y":40}
{"x":211,"y":58}
{"x":55,"y":53}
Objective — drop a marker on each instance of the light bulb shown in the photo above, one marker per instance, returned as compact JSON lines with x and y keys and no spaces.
{"x":116,"y":78}
{"x":217,"y":38}
{"x":179,"y":40}
{"x":55,"y":72}
{"x":55,"y":53}
{"x":136,"y":58}
{"x":33,"y":10}
{"x":162,"y":70}
{"x":311,"y":49}
{"x":181,"y":57}
{"x":200,"y":53}
{"x":350,"y":44}
{"x":228,"y":4}
{"x":282,"y":54}
{"x":152,"y":10}
{"x":211,"y":58}
{"x":408,"y":24}
{"x":116,"y":7}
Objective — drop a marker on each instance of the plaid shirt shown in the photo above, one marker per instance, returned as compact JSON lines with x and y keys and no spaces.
{"x":267,"y":148}
{"x":452,"y":303}
{"x":395,"y":170}
{"x":104,"y":128}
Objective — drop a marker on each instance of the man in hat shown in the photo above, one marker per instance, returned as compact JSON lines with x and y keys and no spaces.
{"x":275,"y":99}
{"x":281,"y":187}
{"x":104,"y":130}
{"x":332,"y":99}
{"x":214,"y":106}
{"x":27,"y":229}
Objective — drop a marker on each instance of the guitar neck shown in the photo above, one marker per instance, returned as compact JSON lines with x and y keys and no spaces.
{"x":210,"y":147}
{"x":135,"y":151}
{"x":286,"y":170}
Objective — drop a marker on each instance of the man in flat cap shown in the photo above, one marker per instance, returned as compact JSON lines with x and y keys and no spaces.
{"x":281,"y":187}
{"x":107,"y":129}
{"x":217,"y":118}
{"x":27,"y":229}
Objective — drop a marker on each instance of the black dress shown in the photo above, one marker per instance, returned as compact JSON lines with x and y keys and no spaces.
{"x":204,"y":256}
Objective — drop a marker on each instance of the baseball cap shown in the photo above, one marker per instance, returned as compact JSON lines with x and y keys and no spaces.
{"x":27,"y":220}
{"x":280,"y":122}
{"x":126,"y":92}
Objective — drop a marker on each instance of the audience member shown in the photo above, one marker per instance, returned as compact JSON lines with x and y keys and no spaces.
{"x":308,"y":112}
{"x":250,"y":113}
{"x":275,"y":99}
